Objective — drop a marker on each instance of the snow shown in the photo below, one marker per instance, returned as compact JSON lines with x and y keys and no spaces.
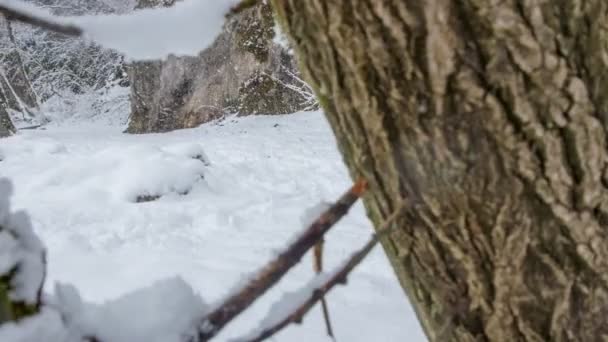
{"x":311,"y":214}
{"x":163,"y":312}
{"x":46,"y":326}
{"x":186,"y":28}
{"x":75,"y":179}
{"x":20,"y":248}
{"x":125,"y":173}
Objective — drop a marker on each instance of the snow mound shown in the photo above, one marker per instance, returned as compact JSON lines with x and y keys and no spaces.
{"x":194,"y":151}
{"x":134,"y":173}
{"x":138,"y":173}
{"x":166,"y":311}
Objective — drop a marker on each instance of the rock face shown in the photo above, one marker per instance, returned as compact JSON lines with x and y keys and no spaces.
{"x":244,"y":72}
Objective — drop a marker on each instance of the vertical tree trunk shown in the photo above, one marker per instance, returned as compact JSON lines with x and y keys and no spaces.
{"x":16,"y":92}
{"x":489,"y":119}
{"x":17,"y":76}
{"x":6,"y":125}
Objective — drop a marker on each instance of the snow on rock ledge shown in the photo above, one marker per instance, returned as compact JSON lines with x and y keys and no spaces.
{"x":166,"y":311}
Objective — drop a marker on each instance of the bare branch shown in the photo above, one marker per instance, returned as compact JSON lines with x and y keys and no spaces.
{"x":11,"y":13}
{"x":337,"y":278}
{"x":318,"y":268}
{"x":277,"y":268}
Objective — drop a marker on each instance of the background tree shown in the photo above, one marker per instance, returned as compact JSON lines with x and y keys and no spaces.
{"x":16,"y":92}
{"x":6,"y":125}
{"x":489,"y":119}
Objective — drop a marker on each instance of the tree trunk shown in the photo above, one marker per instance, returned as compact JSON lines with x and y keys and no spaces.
{"x":488,"y":118}
{"x":16,"y":92}
{"x":6,"y":125}
{"x":17,"y":76}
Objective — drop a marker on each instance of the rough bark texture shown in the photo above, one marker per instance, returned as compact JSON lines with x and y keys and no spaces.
{"x":243,"y":71}
{"x":489,"y":118}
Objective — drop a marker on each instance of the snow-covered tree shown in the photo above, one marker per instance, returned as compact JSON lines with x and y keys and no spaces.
{"x":37,"y":65}
{"x":17,"y":96}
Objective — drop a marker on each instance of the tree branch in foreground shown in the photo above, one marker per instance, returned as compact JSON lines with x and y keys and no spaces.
{"x":318,"y":268}
{"x":337,"y":278}
{"x":11,"y":13}
{"x":276,"y":269}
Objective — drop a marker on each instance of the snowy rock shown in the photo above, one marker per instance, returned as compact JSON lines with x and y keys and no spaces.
{"x":165,"y":311}
{"x":242,"y":71}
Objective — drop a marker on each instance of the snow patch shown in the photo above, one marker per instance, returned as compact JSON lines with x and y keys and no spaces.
{"x":132,"y":173}
{"x":250,"y":204}
{"x":45,"y":326}
{"x":165,"y":311}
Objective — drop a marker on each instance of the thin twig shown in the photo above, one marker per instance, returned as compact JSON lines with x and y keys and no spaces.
{"x":318,"y":268}
{"x":336,"y":279}
{"x":277,"y":268}
{"x":11,"y":13}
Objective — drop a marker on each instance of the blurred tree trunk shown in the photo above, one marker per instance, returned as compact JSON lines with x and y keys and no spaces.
{"x":489,"y":119}
{"x":17,"y":75}
{"x":16,"y":92}
{"x":6,"y":125}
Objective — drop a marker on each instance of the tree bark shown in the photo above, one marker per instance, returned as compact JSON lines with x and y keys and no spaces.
{"x":489,"y":119}
{"x":6,"y":125}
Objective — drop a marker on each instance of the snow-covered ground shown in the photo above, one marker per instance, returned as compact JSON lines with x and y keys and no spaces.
{"x":80,"y":183}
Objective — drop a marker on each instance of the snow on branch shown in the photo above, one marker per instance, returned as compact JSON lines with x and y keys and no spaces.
{"x":22,"y":262}
{"x":294,"y":306}
{"x":276,"y":269}
{"x":25,"y":14}
{"x":186,"y":28}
